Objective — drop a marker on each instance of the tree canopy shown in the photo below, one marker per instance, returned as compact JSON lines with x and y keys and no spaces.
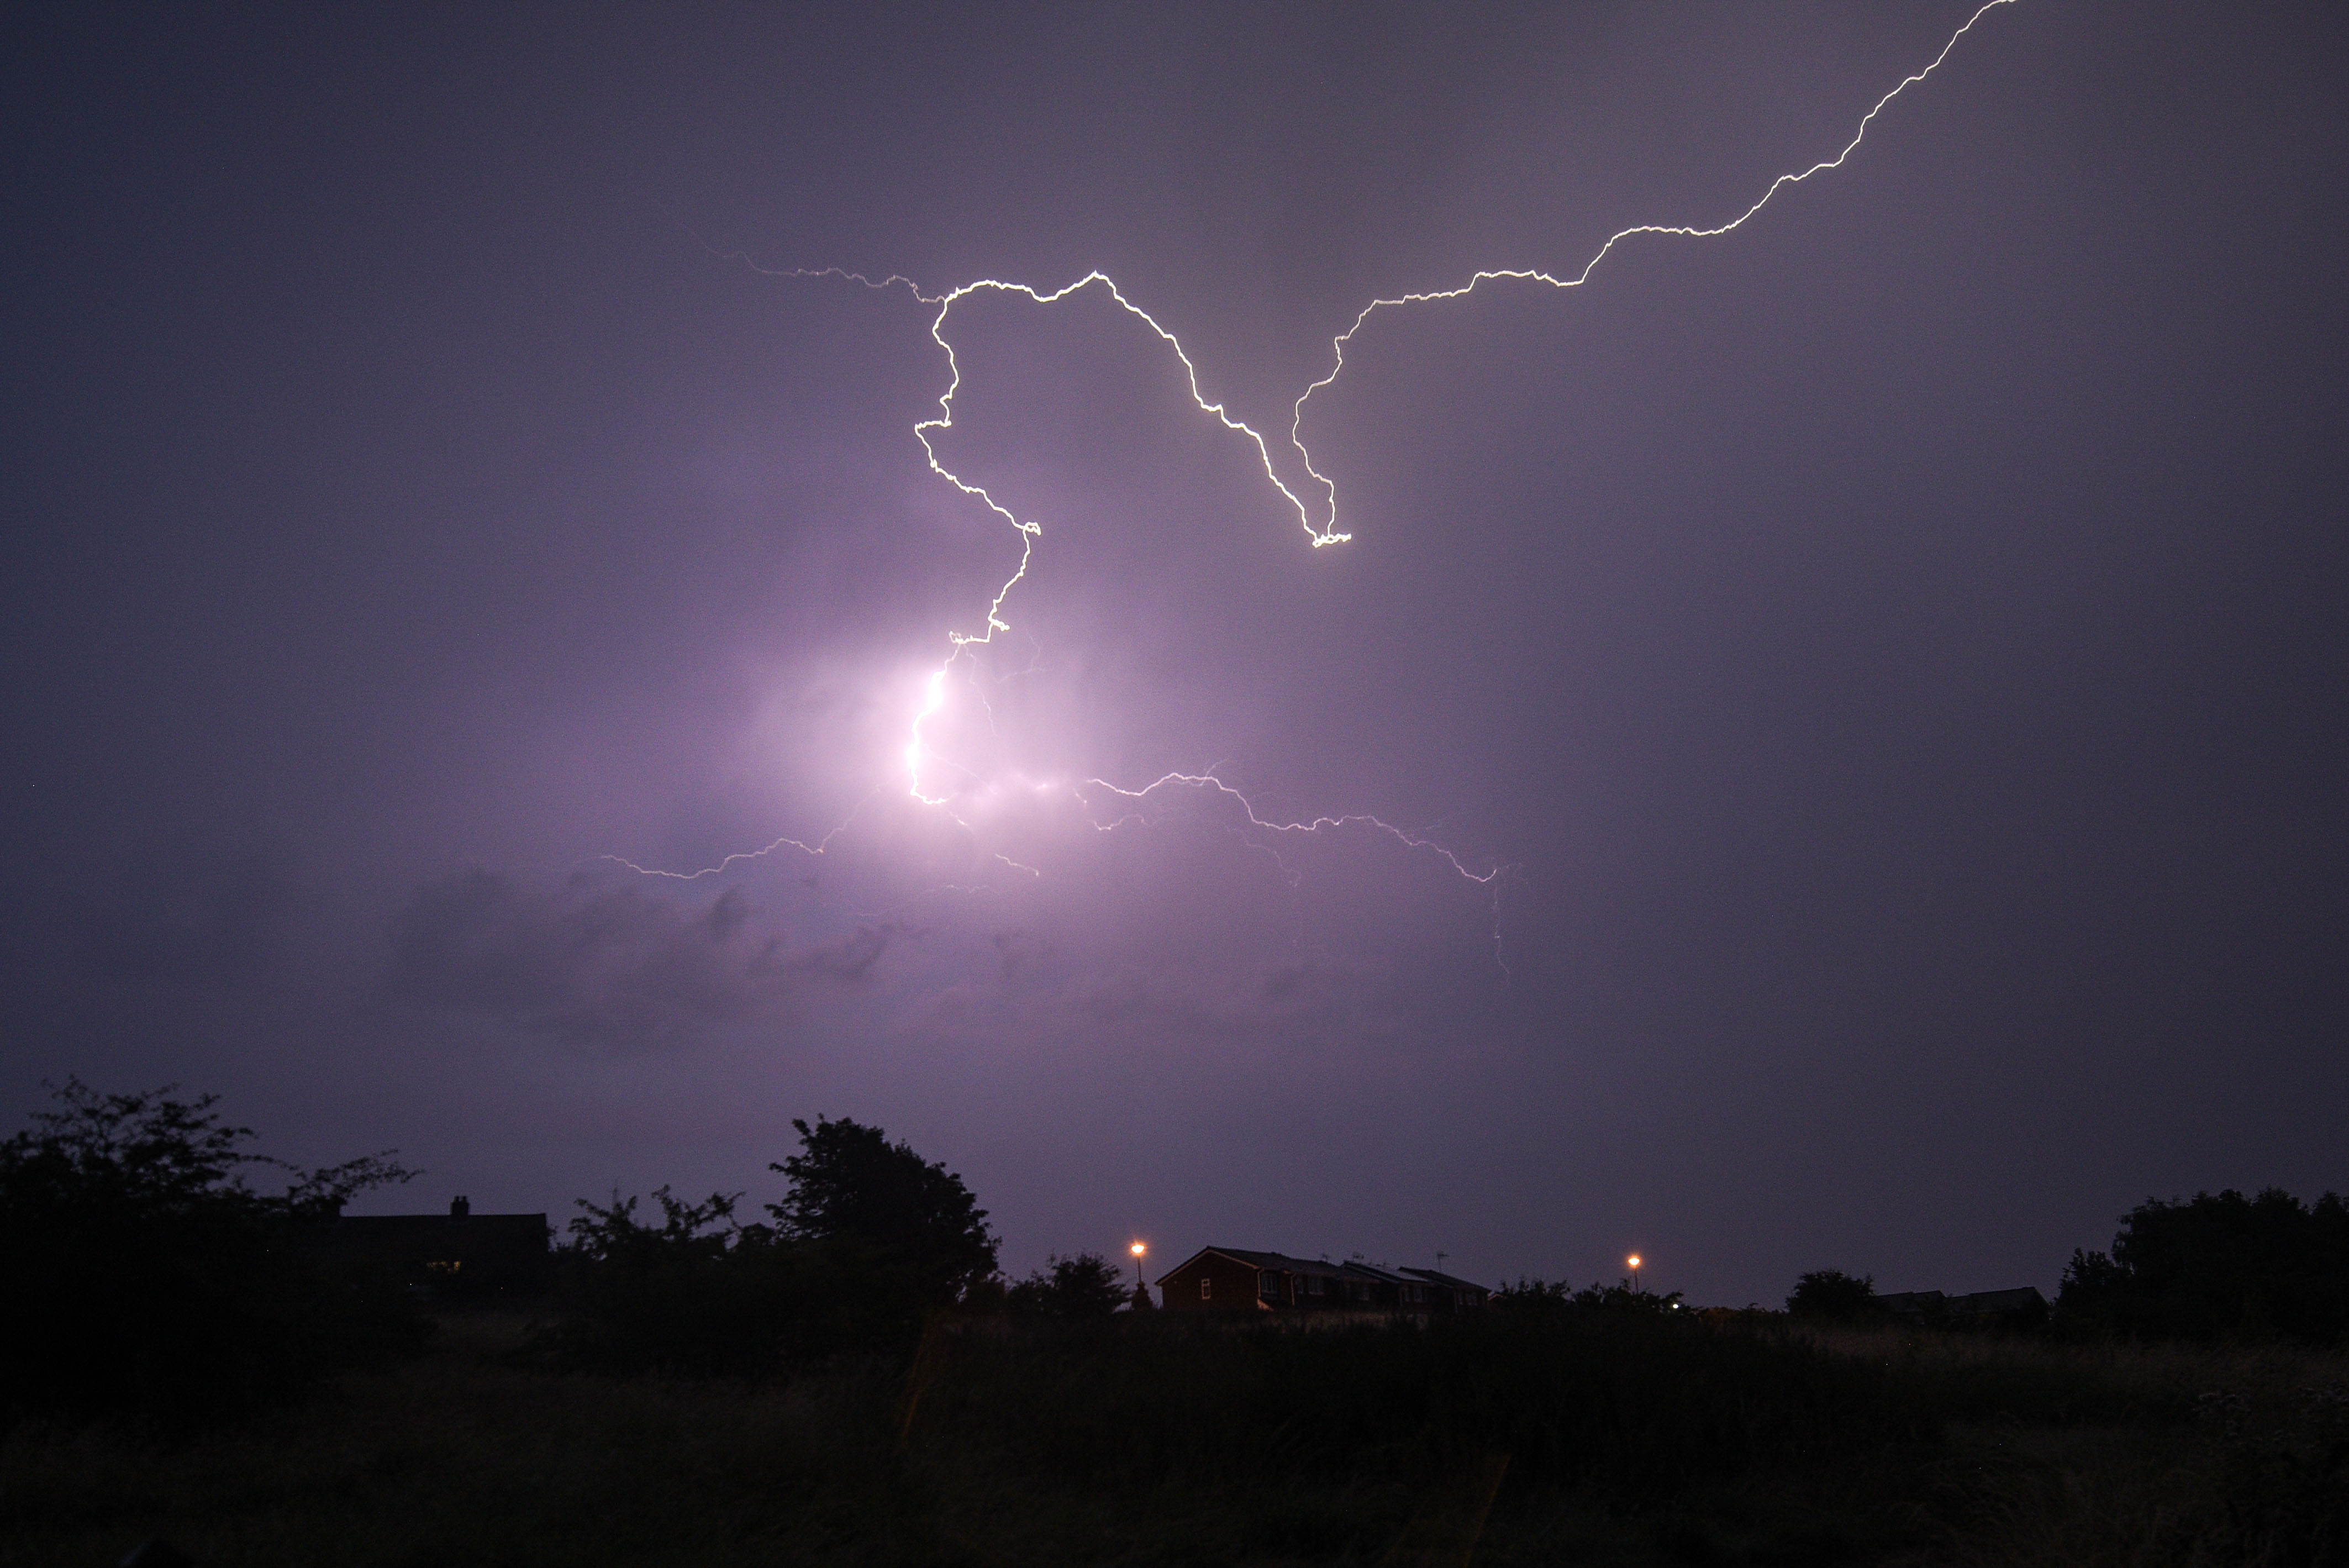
{"x":166,"y":1282}
{"x":1831,"y":1295}
{"x":2218,"y":1265}
{"x":850,"y":1183}
{"x":868,"y":1243}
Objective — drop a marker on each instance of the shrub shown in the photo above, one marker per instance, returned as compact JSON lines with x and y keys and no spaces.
{"x":871,"y":1241}
{"x":1070,"y":1289}
{"x":700,"y":1294}
{"x":1540,"y":1299}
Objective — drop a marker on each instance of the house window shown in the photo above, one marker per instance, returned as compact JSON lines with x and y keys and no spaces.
{"x":1267,"y":1285}
{"x":1206,"y":1288}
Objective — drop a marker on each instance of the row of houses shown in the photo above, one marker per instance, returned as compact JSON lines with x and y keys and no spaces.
{"x":1236,"y":1279}
{"x":461,"y":1252}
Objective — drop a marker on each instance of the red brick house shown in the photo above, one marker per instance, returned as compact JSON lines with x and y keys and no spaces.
{"x":1235,"y":1279}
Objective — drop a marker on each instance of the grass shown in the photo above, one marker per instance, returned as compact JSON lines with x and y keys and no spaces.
{"x":1587,"y":1443}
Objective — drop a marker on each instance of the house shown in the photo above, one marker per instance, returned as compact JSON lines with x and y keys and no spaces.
{"x":1451,"y":1293}
{"x":458,"y":1252}
{"x":1236,"y":1279}
{"x":2023,"y":1304}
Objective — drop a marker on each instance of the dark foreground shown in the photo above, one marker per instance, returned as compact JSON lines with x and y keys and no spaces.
{"x":1572,"y":1442}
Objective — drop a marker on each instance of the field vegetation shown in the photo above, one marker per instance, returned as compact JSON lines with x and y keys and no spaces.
{"x":848,"y":1380}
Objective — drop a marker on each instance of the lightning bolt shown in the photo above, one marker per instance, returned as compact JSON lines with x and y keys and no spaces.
{"x":813,"y":851}
{"x":1319,"y":521}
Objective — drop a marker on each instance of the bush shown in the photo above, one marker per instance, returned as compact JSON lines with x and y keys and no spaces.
{"x":154,"y":1281}
{"x":1072,"y":1290}
{"x":1540,"y":1299}
{"x":871,"y":1241}
{"x":700,"y":1295}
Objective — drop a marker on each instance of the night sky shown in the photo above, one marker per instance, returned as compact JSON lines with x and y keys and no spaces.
{"x":1889,"y":661}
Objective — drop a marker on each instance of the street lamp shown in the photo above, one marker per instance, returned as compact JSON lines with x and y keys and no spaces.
{"x":1137,"y":1250}
{"x":1634,"y":1260}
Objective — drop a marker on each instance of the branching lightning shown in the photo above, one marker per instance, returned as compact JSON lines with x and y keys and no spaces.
{"x":1320,"y":521}
{"x":814,"y":851}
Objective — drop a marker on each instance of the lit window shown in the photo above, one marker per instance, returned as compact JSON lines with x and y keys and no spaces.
{"x":1206,"y":1289}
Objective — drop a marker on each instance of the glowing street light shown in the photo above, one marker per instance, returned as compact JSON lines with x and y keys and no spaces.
{"x":1137,"y":1250}
{"x":1634,"y":1260}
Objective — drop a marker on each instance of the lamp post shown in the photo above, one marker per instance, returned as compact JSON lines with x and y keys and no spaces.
{"x":1137,"y":1250}
{"x":1634,"y":1260}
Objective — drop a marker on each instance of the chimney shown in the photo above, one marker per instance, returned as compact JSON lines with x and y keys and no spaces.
{"x":458,"y":1207}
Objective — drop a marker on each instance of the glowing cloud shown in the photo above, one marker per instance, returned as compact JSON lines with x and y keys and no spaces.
{"x":1319,"y":520}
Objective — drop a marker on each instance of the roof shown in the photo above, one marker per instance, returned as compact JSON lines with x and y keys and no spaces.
{"x":2015,"y":1300}
{"x":1354,"y":1268}
{"x":479,"y":1236}
{"x":1911,"y":1301}
{"x":1254,"y":1260}
{"x":1439,"y":1277}
{"x":436,"y":1224}
{"x":1999,"y":1301}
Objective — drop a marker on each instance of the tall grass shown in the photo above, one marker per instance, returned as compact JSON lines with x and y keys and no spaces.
{"x":1632,"y":1409}
{"x":1588,"y":1439}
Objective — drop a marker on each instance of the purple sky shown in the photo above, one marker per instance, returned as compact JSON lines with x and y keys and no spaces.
{"x":1894,"y":654}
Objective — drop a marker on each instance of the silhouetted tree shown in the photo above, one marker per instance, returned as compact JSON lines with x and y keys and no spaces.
{"x":1830,"y":1296}
{"x":698,"y":1291}
{"x":2217,"y":1266}
{"x":1070,"y":1288}
{"x":850,"y":1183}
{"x":870,"y":1240}
{"x":148,"y":1274}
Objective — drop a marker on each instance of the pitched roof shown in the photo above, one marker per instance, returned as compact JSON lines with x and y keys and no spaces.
{"x":435,"y":1224}
{"x":1911,"y":1301}
{"x":1439,"y":1277}
{"x":1256,"y":1260}
{"x":1372,"y":1271}
{"x":2020,"y":1297}
{"x":446,"y":1235}
{"x":1999,"y":1301}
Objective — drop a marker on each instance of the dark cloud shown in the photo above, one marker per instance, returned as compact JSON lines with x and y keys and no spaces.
{"x":595,"y":964}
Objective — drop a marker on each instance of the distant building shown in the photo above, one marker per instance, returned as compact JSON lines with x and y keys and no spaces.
{"x":2022,"y":1305}
{"x":1235,"y":1279}
{"x":458,"y":1252}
